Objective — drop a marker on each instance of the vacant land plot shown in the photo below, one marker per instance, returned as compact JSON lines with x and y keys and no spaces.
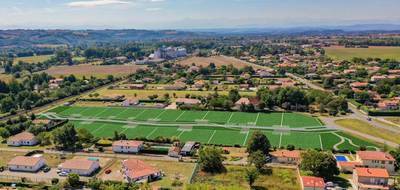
{"x":144,"y":94}
{"x":33,"y":59}
{"x":234,"y":177}
{"x":100,"y":71}
{"x":207,"y":127}
{"x":5,"y":77}
{"x":218,"y":61}
{"x":366,"y":128}
{"x":395,"y":120}
{"x":342,"y":53}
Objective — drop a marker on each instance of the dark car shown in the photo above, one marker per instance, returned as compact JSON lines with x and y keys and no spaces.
{"x":108,"y":171}
{"x":46,"y":169}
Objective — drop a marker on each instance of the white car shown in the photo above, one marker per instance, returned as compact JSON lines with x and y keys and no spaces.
{"x":63,"y":174}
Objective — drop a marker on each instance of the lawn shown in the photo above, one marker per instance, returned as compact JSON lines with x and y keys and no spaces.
{"x":234,"y":179}
{"x":341,"y":53}
{"x":364,"y":127}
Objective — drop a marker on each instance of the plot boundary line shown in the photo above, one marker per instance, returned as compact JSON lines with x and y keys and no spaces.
{"x":151,"y":133}
{"x":98,"y":129}
{"x":245,"y":139}
{"x":160,"y":114}
{"x":320,"y":142}
{"x":230,"y":117}
{"x":258,"y":115}
{"x":180,"y":116}
{"x":180,"y":134}
{"x":121,"y":112}
{"x":144,"y":110}
{"x":205,"y":115}
{"x":280,"y":140}
{"x":123,"y":131}
{"x":101,"y":112}
{"x":282,"y":119}
{"x":209,"y":140}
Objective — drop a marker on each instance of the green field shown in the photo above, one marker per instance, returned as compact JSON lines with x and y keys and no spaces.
{"x":341,"y":53}
{"x":208,"y":127}
{"x":33,"y":59}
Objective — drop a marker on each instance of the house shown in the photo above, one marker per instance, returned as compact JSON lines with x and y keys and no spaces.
{"x":286,"y":157}
{"x":377,"y":78}
{"x":127,"y":146}
{"x":135,"y":171}
{"x":242,"y":101}
{"x":371,"y":179}
{"x":22,"y":139}
{"x":174,"y":151}
{"x":188,"y":148}
{"x":26,"y":164}
{"x":137,"y":86}
{"x":199,"y":84}
{"x":187,"y":101}
{"x":130,"y":102}
{"x":388,"y":105}
{"x":348,"y":167}
{"x":359,"y":85}
{"x":376,"y":159}
{"x":176,"y":86}
{"x":80,"y":166}
{"x":312,"y":183}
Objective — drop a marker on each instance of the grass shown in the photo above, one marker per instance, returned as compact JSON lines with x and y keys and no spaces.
{"x":185,"y":125}
{"x":395,"y":120}
{"x":6,"y":77}
{"x":341,"y":53}
{"x":234,"y":179}
{"x":364,"y":127}
{"x":33,"y":59}
{"x":219,"y":61}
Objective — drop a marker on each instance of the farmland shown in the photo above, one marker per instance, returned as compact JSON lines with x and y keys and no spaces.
{"x":208,"y":127}
{"x":33,"y":59}
{"x":217,"y":60}
{"x":342,"y":53}
{"x":88,"y":70}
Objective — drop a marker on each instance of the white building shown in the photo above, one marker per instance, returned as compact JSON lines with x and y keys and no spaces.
{"x":286,"y":157}
{"x":83,"y":167}
{"x":26,"y":164}
{"x":376,"y":159}
{"x":127,"y":146}
{"x":22,"y":139}
{"x":169,"y":53}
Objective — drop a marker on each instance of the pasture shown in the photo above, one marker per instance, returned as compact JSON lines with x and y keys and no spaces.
{"x":207,"y":127}
{"x":342,"y":53}
{"x":219,"y":61}
{"x":87,"y":70}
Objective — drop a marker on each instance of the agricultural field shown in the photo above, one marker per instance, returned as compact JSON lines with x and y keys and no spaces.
{"x":342,"y":53}
{"x":87,"y":70}
{"x":144,"y":94}
{"x":218,"y":61}
{"x":366,"y":128}
{"x":207,"y":127}
{"x":33,"y":59}
{"x":234,"y":177}
{"x":5,"y":77}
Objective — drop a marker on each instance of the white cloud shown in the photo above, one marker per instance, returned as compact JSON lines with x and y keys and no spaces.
{"x":94,"y":3}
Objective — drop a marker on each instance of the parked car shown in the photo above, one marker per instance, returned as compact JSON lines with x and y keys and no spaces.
{"x":63,"y":174}
{"x":107,"y":171}
{"x":46,"y":169}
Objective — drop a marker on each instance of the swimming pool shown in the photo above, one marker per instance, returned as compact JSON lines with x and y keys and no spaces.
{"x":341,"y":158}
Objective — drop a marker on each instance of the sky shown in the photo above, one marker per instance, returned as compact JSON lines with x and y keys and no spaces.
{"x":193,"y":14}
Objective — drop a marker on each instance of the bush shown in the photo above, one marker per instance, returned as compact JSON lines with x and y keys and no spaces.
{"x":104,"y":142}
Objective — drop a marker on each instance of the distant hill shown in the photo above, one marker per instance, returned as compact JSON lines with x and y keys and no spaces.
{"x":40,"y":38}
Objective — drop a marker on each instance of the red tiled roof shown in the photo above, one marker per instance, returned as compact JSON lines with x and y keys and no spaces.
{"x":372,"y":172}
{"x":24,"y":161}
{"x":128,"y":143}
{"x":286,"y":153}
{"x":309,"y":181}
{"x":78,"y":164}
{"x":374,"y":155}
{"x":137,"y":168}
{"x":349,"y":164}
{"x":24,"y":136}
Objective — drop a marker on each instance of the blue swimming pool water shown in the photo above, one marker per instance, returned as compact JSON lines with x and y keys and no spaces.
{"x":341,"y":158}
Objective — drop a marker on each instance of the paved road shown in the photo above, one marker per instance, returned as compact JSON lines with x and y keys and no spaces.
{"x":355,"y":115}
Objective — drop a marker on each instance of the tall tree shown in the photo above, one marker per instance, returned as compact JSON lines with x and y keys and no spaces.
{"x":210,"y":159}
{"x":65,"y":137}
{"x":258,"y":142}
{"x":322,"y":164}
